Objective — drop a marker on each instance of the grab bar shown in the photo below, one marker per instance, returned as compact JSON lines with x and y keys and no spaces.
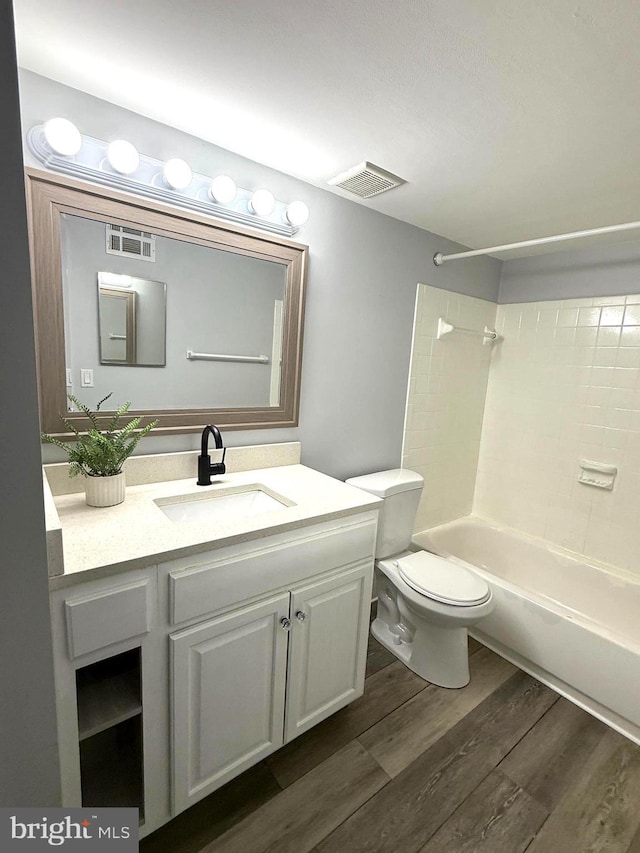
{"x":214,"y":356}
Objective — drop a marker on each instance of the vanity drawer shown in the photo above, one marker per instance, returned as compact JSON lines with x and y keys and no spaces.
{"x":231,"y":576}
{"x":98,"y":620}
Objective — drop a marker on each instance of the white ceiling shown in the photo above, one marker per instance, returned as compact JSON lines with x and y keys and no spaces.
{"x":509,"y":119}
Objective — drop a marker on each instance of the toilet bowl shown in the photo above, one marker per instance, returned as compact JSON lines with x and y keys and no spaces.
{"x":425,"y":602}
{"x":429,"y":634}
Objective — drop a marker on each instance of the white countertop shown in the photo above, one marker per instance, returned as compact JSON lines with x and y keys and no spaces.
{"x":98,"y":542}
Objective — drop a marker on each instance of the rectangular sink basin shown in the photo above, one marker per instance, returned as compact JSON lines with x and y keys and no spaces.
{"x":224,"y":505}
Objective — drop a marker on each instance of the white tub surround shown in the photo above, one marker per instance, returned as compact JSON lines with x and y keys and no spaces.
{"x":564,"y":390}
{"x":445,"y":403}
{"x":137,"y":533}
{"x":572,"y":624}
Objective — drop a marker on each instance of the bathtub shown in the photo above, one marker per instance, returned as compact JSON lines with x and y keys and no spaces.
{"x":573,"y":625}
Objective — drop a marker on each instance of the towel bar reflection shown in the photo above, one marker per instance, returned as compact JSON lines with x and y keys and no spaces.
{"x":214,"y":356}
{"x":444,"y":328}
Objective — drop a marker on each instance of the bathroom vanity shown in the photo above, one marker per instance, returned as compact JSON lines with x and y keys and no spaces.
{"x":190,"y":645}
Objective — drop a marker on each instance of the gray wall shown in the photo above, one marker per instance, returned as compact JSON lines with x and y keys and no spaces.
{"x":216,"y":302}
{"x":363,"y":272}
{"x":588,"y":271}
{"x":28,"y":749}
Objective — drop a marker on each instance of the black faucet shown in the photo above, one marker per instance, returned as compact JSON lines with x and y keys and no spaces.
{"x":205,"y":468}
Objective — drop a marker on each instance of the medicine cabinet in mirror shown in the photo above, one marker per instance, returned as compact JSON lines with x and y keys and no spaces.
{"x":193,"y":319}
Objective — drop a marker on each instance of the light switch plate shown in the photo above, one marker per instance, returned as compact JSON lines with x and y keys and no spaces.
{"x":86,"y":377}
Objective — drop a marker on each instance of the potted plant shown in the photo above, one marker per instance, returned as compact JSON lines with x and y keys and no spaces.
{"x":100,"y":454}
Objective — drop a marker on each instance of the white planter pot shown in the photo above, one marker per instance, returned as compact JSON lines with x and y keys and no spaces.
{"x":105,"y":491}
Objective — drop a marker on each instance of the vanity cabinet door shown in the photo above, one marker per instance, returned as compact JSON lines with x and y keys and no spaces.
{"x":327,"y":656}
{"x":228,"y":696}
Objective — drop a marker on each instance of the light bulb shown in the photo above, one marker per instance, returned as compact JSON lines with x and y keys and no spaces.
{"x":63,"y":136}
{"x":223,"y":189}
{"x":123,"y":156}
{"x":177,"y":174}
{"x":297,"y":213}
{"x":262,"y":203}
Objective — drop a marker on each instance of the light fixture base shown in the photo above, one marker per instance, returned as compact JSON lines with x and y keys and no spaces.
{"x":88,"y":165}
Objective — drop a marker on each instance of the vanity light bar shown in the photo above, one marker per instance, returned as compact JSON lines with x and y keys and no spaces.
{"x":125,"y":169}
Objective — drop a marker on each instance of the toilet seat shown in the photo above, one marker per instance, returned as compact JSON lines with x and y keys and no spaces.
{"x":442,"y":580}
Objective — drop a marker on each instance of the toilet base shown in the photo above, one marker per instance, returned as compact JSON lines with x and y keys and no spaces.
{"x":439,"y":655}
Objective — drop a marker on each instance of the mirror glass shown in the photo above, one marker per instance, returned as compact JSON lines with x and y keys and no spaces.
{"x":132,"y":320}
{"x":193,"y":320}
{"x":212,"y":319}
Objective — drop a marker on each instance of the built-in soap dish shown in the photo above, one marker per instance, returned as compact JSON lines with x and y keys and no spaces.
{"x":597,"y":474}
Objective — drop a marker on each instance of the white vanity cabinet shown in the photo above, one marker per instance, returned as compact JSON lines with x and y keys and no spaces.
{"x":254,"y":677}
{"x":179,"y":676}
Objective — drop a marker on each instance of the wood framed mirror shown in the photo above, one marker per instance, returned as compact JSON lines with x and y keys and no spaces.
{"x":234,"y":311}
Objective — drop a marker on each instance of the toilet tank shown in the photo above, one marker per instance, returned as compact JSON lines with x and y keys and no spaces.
{"x":401,"y":490}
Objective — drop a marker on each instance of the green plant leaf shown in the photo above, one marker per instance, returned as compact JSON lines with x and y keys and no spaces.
{"x":104,"y":400}
{"x":100,"y":453}
{"x":118,"y":414}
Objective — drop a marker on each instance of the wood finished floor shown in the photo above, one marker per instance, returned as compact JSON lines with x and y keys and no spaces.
{"x":502,"y":766}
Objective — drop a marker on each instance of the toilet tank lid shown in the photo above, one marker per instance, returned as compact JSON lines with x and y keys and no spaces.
{"x":385,"y":483}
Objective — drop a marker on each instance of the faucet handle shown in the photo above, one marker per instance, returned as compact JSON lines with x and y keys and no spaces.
{"x":219,"y":467}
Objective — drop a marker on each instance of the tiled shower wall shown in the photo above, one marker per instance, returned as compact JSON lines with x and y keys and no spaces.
{"x":564,"y":386}
{"x":447,"y":388}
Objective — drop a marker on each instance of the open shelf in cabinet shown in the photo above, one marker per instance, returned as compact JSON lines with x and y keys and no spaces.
{"x":111,"y":767}
{"x":108,"y":693}
{"x":109,"y":698}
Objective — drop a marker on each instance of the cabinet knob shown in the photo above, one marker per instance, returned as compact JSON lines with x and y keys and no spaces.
{"x":301,"y":615}
{"x":285,"y":623}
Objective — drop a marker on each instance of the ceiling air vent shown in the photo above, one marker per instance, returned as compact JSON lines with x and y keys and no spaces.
{"x":131,"y":243}
{"x":366,"y":180}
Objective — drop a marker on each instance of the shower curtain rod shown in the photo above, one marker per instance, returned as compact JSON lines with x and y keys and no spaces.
{"x":439,"y":258}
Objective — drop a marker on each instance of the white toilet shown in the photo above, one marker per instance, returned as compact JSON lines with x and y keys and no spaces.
{"x":425,"y":602}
